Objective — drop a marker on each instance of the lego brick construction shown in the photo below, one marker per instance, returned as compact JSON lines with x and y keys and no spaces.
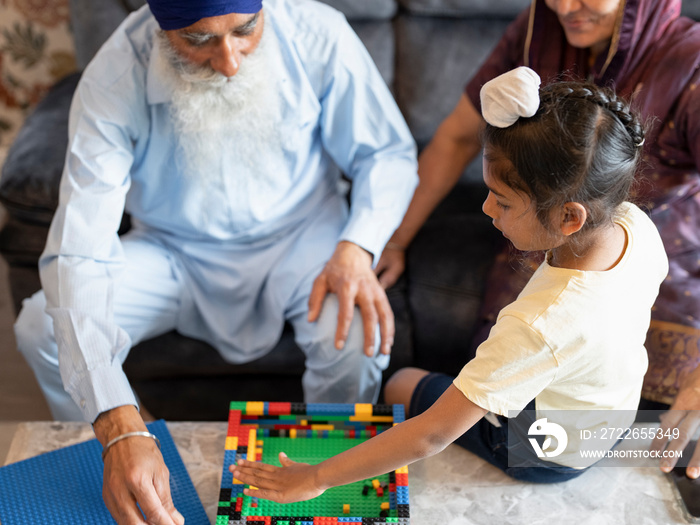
{"x":310,"y":433}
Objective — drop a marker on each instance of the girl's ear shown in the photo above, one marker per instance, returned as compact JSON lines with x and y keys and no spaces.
{"x":573,"y":218}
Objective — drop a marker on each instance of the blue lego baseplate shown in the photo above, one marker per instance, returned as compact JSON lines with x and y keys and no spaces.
{"x":64,"y":487}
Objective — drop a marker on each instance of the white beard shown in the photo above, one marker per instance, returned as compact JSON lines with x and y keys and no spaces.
{"x":227,"y":125}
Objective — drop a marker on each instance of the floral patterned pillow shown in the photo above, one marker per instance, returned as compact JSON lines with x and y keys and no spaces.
{"x":36,"y":50}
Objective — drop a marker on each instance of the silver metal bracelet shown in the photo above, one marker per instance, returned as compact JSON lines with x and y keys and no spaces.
{"x":128,"y":435}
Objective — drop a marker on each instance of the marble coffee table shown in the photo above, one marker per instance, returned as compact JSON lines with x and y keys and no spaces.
{"x":453,"y":488}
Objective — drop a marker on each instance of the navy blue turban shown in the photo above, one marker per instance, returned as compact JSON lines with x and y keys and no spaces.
{"x":176,"y":14}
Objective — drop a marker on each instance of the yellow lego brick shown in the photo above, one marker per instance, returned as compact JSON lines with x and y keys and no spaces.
{"x":402,"y":470}
{"x":231,"y":443}
{"x":292,"y":433}
{"x":322,"y":427}
{"x":363,"y":410}
{"x":372,"y":419}
{"x":252,"y":451}
{"x":255,"y":408}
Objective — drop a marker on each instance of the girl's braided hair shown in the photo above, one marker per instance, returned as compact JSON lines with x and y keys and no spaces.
{"x":583,"y":145}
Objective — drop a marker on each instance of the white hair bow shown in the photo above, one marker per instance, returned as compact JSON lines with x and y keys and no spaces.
{"x":510,"y":96}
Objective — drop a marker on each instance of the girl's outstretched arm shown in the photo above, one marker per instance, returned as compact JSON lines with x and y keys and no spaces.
{"x":416,"y":438}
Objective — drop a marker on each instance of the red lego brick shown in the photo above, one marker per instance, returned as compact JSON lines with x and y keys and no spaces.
{"x":234,"y":421}
{"x":279,"y":409}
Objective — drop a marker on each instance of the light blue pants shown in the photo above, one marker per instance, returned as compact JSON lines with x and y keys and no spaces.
{"x":148,"y":304}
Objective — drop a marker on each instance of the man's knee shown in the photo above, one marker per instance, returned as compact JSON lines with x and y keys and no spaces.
{"x":327,"y":325}
{"x":34,"y":329}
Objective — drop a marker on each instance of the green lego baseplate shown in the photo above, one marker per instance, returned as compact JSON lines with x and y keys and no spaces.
{"x":310,"y":433}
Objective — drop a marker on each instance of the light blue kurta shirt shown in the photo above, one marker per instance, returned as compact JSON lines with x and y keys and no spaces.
{"x":337,"y":112}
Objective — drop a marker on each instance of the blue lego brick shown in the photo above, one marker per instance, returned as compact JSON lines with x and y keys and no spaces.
{"x":230,"y":457}
{"x":399,"y":414}
{"x":330,"y":408}
{"x":402,"y":495}
{"x":226,"y":477}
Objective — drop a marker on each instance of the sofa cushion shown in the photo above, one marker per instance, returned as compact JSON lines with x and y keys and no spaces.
{"x":365,"y":9}
{"x":179,"y":378}
{"x":173,"y":354}
{"x":32,"y":169}
{"x":691,"y":9}
{"x":378,"y":38}
{"x":21,"y":242}
{"x":446,"y":269}
{"x":93,"y":21}
{"x":435,"y":57}
{"x":479,"y":8}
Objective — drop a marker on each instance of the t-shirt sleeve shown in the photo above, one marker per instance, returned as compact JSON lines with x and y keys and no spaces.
{"x":507,"y":55}
{"x":510,"y":368}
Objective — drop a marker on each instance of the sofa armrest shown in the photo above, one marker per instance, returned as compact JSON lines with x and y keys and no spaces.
{"x":32,"y":170}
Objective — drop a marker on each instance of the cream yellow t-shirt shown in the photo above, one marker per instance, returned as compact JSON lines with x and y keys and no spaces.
{"x":574,"y":339}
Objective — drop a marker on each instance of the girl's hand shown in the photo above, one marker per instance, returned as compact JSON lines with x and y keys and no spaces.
{"x":286,"y":484}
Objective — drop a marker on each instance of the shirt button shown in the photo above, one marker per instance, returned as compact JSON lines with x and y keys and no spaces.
{"x":82,"y":403}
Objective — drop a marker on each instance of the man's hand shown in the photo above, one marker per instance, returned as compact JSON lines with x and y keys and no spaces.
{"x":391,"y":265}
{"x":286,"y":484}
{"x":349,"y":275}
{"x":134,"y":472}
{"x":685,"y":416}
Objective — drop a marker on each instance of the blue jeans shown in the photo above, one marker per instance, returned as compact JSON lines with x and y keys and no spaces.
{"x":490,"y":442}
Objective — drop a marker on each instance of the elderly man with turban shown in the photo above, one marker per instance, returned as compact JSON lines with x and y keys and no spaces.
{"x":221,"y":127}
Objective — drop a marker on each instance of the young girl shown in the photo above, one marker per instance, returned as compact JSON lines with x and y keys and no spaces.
{"x":559,"y":163}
